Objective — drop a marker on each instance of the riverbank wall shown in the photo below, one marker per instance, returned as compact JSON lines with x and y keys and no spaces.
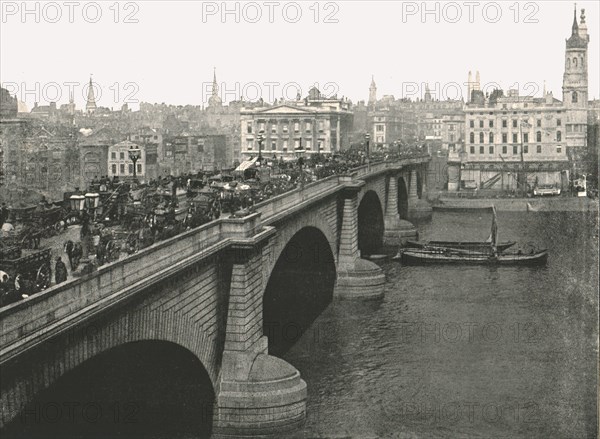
{"x":554,"y":204}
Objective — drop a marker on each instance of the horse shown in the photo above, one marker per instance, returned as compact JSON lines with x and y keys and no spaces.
{"x":74,"y":251}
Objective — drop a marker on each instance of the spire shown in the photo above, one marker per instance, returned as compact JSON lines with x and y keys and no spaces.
{"x":544,"y":94}
{"x":575,"y":26}
{"x":90,"y":106}
{"x":215,"y":100}
{"x":372,"y":92}
{"x":469,"y":85}
{"x":477,"y":81}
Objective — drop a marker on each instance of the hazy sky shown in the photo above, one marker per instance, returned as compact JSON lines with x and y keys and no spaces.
{"x":165,"y":51}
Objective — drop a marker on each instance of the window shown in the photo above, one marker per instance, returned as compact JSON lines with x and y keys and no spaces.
{"x":539,"y":122}
{"x":114,"y":169}
{"x":515,"y":138}
{"x":122,"y":156}
{"x":319,"y":145}
{"x":261,"y":127}
{"x":491,"y":124}
{"x":451,"y":138}
{"x":558,"y":136}
{"x":574,"y":62}
{"x":321,"y":126}
{"x":472,"y":123}
{"x":504,"y":149}
{"x":481,"y":124}
{"x":539,"y":149}
{"x":285,"y":145}
{"x":491,"y":137}
{"x":515,"y":123}
{"x":558,"y":149}
{"x":525,"y":149}
{"x":504,"y":138}
{"x":308,"y":144}
{"x":273,"y":145}
{"x":514,"y":149}
{"x":525,"y":137}
{"x":296,"y":127}
{"x":308,"y":127}
{"x":481,"y":136}
{"x":379,"y":128}
{"x":250,"y":145}
{"x":558,"y":122}
{"x":491,"y":149}
{"x":139,"y":168}
{"x":481,"y":150}
{"x":297,"y":144}
{"x":574,"y":100}
{"x":285,"y":128}
{"x":472,"y":150}
{"x":131,"y":168}
{"x":538,"y":136}
{"x":122,"y":169}
{"x":113,"y":155}
{"x":472,"y":138}
{"x":504,"y":123}
{"x":274,"y":128}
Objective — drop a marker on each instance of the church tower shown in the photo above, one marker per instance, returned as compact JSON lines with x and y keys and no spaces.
{"x":575,"y":83}
{"x":372,"y":93}
{"x":90,"y":106}
{"x":215,"y":101}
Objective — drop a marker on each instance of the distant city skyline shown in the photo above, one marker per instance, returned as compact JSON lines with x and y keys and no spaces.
{"x":401,"y":48}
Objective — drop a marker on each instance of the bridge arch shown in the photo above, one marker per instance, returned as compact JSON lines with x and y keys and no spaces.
{"x":370,"y":223}
{"x":402,"y":198}
{"x":299,"y":288}
{"x":148,"y":388}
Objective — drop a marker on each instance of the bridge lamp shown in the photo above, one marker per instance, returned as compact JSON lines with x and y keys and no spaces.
{"x":134,"y":156}
{"x":367,"y":139}
{"x":77,"y":202}
{"x":260,"y":138}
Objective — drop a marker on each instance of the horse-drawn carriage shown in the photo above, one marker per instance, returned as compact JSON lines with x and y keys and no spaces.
{"x":24,"y":272}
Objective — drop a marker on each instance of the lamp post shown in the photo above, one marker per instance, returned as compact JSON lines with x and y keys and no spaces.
{"x":367,"y":139}
{"x":134,"y":156}
{"x":261,"y":139}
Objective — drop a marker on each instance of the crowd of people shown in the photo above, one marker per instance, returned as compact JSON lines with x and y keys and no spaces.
{"x":133,"y":216}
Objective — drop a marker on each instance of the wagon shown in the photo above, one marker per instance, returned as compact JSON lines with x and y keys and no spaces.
{"x":29,"y":272}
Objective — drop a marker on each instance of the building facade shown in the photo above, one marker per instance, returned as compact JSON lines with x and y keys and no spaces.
{"x":518,"y":142}
{"x":119,"y":163}
{"x":310,"y":126}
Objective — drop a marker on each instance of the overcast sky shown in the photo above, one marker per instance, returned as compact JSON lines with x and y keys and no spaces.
{"x":165,"y":51}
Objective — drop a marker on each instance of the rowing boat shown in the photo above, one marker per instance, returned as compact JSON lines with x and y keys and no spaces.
{"x":420,"y":256}
{"x":477,"y":246}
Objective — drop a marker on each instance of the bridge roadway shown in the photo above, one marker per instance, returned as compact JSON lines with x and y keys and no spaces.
{"x":210,"y":291}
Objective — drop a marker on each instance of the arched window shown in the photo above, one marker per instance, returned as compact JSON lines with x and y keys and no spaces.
{"x":568,"y":63}
{"x":574,"y":98}
{"x":538,"y":136}
{"x":472,"y":137}
{"x":480,"y":137}
{"x":575,"y":62}
{"x":558,"y":136}
{"x":582,"y":61}
{"x":491,"y":137}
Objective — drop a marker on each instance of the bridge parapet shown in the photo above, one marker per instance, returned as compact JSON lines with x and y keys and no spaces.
{"x":29,"y":322}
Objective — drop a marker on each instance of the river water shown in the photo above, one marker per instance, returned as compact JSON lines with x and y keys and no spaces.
{"x":464,"y":352}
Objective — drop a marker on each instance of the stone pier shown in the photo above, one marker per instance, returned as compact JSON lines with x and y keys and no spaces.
{"x":418,"y":208}
{"x":357,"y":278}
{"x":397,"y":231}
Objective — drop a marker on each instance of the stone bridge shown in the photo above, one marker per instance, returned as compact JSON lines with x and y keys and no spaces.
{"x":217,"y":297}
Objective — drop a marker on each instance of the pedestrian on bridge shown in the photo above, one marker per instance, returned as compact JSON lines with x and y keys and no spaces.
{"x":60,"y":271}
